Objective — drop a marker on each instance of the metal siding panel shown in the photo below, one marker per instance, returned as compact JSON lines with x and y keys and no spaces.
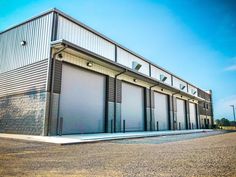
{"x":25,"y":79}
{"x":118,"y":91}
{"x":111,"y":89}
{"x":161,"y":110}
{"x":57,"y":77}
{"x":36,"y":33}
{"x":132,"y":107}
{"x":181,"y":114}
{"x":80,"y":36}
{"x":190,"y":88}
{"x":156,"y":72}
{"x":177,"y":82}
{"x":82,"y":101}
{"x":125,"y":58}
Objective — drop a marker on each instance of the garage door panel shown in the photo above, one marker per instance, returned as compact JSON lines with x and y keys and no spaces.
{"x":82,"y":101}
{"x":192,"y":110}
{"x":132,"y":108}
{"x":181,"y":114}
{"x":161,"y":111}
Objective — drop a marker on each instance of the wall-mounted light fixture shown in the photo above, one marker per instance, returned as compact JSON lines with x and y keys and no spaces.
{"x":136,"y":66}
{"x":90,"y":64}
{"x":162,"y":89}
{"x":163,"y":78}
{"x":23,"y":43}
{"x":182,"y":87}
{"x":135,"y":80}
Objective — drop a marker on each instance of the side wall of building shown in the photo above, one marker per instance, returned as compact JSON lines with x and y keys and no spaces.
{"x":23,"y":76}
{"x":25,"y":71}
{"x":205,"y":110}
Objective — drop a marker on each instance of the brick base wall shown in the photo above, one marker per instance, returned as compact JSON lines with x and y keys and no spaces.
{"x":23,"y":114}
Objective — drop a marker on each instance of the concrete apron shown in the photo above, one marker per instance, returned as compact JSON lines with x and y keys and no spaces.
{"x":88,"y":138}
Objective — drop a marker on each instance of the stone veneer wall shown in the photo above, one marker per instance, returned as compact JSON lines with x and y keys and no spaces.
{"x":23,"y":114}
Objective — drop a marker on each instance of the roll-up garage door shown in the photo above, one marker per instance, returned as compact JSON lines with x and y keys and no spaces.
{"x":82,"y":101}
{"x":193,"y":117}
{"x":161,"y":111}
{"x":132,"y":109}
{"x":181,"y":114}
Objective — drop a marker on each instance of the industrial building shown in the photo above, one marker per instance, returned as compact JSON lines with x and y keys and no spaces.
{"x":59,"y":76}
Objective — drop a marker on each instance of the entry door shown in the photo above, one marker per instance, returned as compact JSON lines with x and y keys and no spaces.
{"x":181,"y":114}
{"x":193,"y":117}
{"x":132,"y":107}
{"x":161,"y":111}
{"x":82,"y":101}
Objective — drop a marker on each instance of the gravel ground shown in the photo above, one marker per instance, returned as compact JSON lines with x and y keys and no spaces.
{"x":181,"y":155}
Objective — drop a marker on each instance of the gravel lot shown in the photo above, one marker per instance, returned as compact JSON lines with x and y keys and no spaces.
{"x":202,"y":154}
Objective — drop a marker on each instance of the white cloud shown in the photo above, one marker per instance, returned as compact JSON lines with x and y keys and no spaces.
{"x":231,"y":68}
{"x":222,"y":107}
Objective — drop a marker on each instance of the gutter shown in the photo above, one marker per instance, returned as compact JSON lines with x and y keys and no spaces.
{"x":52,"y":87}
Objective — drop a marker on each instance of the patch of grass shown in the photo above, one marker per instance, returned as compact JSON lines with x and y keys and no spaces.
{"x":228,"y":127}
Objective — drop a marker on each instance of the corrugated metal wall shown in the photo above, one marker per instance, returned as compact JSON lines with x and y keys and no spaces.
{"x":125,"y":58}
{"x":80,"y":36}
{"x":190,"y":88}
{"x":156,"y":73}
{"x":29,"y":78}
{"x":77,"y":34}
{"x":177,"y":82}
{"x":36,"y":33}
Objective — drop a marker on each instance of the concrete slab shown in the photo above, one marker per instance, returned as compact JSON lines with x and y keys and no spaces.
{"x":87,"y":138}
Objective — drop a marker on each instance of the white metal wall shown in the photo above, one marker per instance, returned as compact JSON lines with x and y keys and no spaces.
{"x":82,"y":101}
{"x":161,"y":110}
{"x":125,"y":58}
{"x":181,"y":114}
{"x":80,"y":36}
{"x":36,"y":33}
{"x":132,"y":107}
{"x":177,"y":82}
{"x":156,"y":73}
{"x":190,"y":88}
{"x":192,"y":110}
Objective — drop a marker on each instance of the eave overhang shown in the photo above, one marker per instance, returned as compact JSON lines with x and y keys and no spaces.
{"x":72,"y":48}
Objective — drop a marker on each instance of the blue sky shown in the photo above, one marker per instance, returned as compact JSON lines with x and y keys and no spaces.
{"x":195,"y":39}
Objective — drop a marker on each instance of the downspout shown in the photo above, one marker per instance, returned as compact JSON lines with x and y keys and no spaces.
{"x":173,"y":113}
{"x":150,"y":102}
{"x":52,"y":87}
{"x":115,"y":92}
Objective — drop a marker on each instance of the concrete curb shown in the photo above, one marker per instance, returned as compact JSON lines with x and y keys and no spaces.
{"x":92,"y":138}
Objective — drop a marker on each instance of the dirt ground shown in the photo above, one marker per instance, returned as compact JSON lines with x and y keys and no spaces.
{"x":199,"y":156}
